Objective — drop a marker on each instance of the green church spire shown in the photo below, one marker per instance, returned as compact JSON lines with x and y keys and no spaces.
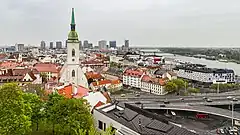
{"x":73,"y":36}
{"x":73,"y":17}
{"x":73,"y":21}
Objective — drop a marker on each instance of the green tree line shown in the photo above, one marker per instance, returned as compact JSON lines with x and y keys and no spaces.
{"x":177,"y":85}
{"x":26,"y":113}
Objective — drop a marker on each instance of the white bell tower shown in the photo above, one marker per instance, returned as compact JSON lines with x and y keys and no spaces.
{"x":72,"y":72}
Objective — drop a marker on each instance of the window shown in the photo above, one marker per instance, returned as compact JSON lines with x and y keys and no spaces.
{"x":73,"y":53}
{"x":73,"y":73}
{"x":104,"y":126}
{"x":100,"y":125}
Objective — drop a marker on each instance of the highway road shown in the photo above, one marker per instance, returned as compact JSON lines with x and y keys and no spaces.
{"x":176,"y":99}
{"x":203,"y":109}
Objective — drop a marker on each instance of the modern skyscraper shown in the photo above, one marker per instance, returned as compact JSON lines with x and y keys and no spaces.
{"x":80,"y":45}
{"x":102,"y":44}
{"x":85,"y":44}
{"x":43,"y":45}
{"x":58,"y":45}
{"x":90,"y":45}
{"x":72,"y":72}
{"x":126,"y":43}
{"x":113,"y":44}
{"x":51,"y":45}
{"x":19,"y":47}
{"x":66,"y":44}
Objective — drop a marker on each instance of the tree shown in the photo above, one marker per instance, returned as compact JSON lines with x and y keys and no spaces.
{"x":14,"y":113}
{"x":171,"y":87}
{"x":94,"y":131}
{"x":37,"y":108}
{"x":193,"y":90}
{"x":68,"y":115}
{"x":180,"y":84}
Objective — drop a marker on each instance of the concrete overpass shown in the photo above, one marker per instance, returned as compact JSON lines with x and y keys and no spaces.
{"x":202,"y":109}
{"x":217,"y":99}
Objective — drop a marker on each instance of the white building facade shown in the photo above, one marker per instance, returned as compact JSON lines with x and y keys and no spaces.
{"x":71,"y":71}
{"x":132,"y":77}
{"x":206,"y":75}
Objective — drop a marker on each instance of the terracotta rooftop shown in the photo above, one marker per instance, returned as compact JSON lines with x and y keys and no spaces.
{"x":116,"y":82}
{"x":159,"y":81}
{"x":9,"y":64}
{"x":81,"y":92}
{"x":93,"y":75}
{"x":103,"y":82}
{"x":47,"y":67}
{"x":66,"y":91}
{"x":134,"y":72}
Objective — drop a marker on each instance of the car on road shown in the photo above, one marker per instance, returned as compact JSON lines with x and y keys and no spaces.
{"x":209,"y":100}
{"x":137,"y":95}
{"x":162,"y":105}
{"x":205,"y":98}
{"x":229,"y":97}
{"x":234,"y":99}
{"x":123,"y":95}
{"x":138,"y":103}
{"x":182,"y":99}
{"x":166,"y":102}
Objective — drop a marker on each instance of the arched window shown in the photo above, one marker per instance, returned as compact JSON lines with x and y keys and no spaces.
{"x":73,"y":73}
{"x":73,"y":53}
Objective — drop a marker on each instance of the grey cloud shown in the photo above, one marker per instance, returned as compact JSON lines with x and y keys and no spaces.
{"x":144,"y":22}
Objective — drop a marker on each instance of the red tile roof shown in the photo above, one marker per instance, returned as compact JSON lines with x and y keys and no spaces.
{"x":159,"y":81}
{"x":93,"y":75}
{"x":146,"y":78}
{"x":100,"y":103}
{"x":66,"y":91}
{"x":134,"y":72}
{"x":103,"y":82}
{"x":47,"y":67}
{"x":9,"y":64}
{"x":81,"y":92}
{"x":116,"y":82}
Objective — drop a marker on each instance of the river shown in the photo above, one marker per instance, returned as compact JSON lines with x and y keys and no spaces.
{"x":208,"y":63}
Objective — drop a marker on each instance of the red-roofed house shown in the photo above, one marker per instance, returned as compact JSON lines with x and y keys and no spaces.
{"x":99,"y":84}
{"x":153,"y":85}
{"x":71,"y":91}
{"x":94,"y":76}
{"x":17,"y":75}
{"x":108,"y":84}
{"x":132,"y":77}
{"x":51,"y":70}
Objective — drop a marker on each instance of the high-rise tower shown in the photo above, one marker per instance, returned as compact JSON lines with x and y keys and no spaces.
{"x":71,"y":71}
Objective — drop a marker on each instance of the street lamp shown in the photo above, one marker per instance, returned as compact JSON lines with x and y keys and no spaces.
{"x":232,"y":112}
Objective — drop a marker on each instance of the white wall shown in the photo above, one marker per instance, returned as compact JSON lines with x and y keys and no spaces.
{"x":110,"y":122}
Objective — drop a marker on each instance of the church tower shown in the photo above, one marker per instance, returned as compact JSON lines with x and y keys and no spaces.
{"x":71,"y":71}
{"x":73,"y":44}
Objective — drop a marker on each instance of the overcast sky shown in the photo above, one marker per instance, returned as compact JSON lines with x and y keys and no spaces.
{"x":188,"y":23}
